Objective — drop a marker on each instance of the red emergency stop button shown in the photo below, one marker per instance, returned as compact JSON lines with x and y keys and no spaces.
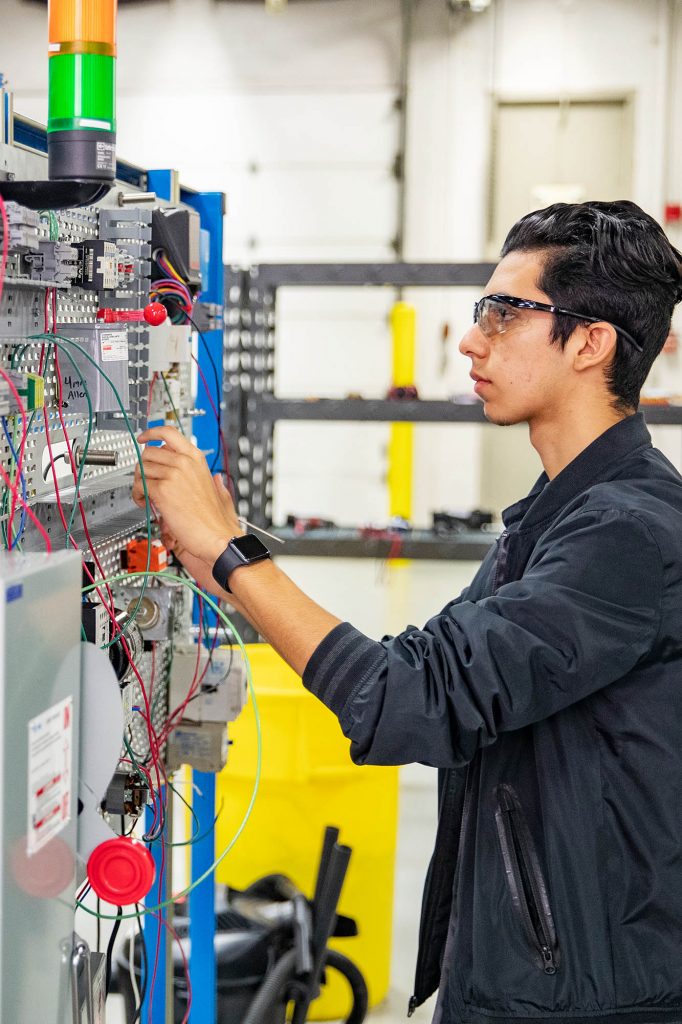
{"x":121,"y":871}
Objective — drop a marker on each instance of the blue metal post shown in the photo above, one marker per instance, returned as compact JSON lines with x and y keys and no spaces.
{"x":210,"y":206}
{"x":155,"y":935}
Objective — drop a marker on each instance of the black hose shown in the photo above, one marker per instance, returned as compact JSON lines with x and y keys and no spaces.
{"x":273,"y":988}
{"x":355,"y":978}
{"x":270,"y":992}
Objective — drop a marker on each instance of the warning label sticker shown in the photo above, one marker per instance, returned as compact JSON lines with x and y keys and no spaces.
{"x":114,"y":346}
{"x":50,"y":737}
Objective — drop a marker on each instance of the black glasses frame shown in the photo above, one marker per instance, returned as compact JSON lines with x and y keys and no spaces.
{"x":544,"y":307}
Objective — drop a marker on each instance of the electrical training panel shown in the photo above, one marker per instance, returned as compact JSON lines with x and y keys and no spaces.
{"x":95,"y":344}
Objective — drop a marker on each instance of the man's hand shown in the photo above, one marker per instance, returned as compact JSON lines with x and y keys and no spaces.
{"x":198,"y":521}
{"x":196,"y":509}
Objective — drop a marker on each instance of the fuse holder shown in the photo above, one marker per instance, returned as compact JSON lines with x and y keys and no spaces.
{"x":154,"y":314}
{"x":136,"y":556}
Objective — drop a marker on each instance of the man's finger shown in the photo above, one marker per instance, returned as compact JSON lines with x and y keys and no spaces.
{"x":171,"y":437}
{"x":161,"y":457}
{"x":161,"y":471}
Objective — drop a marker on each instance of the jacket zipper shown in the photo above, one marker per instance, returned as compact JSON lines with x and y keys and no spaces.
{"x":525,"y":881}
{"x":468,"y":788}
{"x":501,"y":560}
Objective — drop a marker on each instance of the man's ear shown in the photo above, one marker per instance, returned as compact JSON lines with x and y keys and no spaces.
{"x":596,"y":346}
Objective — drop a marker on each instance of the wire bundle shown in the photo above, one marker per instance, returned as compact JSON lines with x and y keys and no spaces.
{"x":171,"y":287}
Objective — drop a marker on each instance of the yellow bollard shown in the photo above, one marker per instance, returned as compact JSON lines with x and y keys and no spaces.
{"x":400,"y":450}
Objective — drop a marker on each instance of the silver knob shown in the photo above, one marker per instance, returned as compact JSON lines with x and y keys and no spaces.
{"x":135,"y":198}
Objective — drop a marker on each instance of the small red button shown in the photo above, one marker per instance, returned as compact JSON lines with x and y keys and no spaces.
{"x":155,"y":313}
{"x":121,"y":871}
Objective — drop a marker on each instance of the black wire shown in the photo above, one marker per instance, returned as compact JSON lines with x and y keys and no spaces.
{"x":144,"y":967}
{"x":110,"y":947}
{"x":218,"y":388}
{"x":99,"y":923}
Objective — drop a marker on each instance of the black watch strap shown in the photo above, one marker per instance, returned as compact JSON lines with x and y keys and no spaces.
{"x":240,"y":551}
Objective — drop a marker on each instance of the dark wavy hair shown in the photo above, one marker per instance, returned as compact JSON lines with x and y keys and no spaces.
{"x":610,"y":260}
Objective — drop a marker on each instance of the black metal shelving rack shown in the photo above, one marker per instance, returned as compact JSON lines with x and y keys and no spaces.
{"x":252,"y":410}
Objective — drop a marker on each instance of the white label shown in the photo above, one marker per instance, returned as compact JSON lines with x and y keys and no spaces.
{"x":50,"y":737}
{"x":114,"y":346}
{"x":128,"y":702}
{"x":106,"y":153}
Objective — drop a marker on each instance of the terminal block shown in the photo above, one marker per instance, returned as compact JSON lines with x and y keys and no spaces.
{"x":30,"y":388}
{"x":137,"y":551}
{"x":24,"y":225}
{"x":55,"y":263}
{"x":125,"y":269}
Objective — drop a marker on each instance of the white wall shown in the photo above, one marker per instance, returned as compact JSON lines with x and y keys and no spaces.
{"x":524,"y":49}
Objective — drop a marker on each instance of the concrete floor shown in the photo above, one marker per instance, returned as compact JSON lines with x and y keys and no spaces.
{"x":415,"y":837}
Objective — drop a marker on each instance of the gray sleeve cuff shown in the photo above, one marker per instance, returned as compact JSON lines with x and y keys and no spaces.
{"x":344,"y":660}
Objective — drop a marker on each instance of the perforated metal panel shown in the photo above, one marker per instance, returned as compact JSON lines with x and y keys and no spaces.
{"x":30,"y":308}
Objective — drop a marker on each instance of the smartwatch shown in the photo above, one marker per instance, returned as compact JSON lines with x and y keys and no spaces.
{"x":240,"y":551}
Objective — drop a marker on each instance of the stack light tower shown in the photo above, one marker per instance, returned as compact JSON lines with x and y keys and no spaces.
{"x":81,"y":127}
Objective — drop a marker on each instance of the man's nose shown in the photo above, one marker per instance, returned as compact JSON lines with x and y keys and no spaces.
{"x":474,"y":343}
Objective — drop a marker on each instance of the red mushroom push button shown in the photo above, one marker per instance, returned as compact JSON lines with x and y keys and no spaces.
{"x":121,"y":871}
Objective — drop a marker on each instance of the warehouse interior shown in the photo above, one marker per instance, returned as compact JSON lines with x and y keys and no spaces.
{"x":269,"y":233}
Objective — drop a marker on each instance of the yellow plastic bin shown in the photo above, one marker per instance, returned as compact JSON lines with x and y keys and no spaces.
{"x":308,"y":782}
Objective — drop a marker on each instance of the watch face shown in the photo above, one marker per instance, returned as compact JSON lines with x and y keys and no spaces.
{"x":249,"y":547}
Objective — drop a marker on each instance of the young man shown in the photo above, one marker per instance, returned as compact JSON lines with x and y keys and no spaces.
{"x":550,"y":692}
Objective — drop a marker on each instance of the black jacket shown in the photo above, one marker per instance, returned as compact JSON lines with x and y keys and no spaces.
{"x":550,"y":693}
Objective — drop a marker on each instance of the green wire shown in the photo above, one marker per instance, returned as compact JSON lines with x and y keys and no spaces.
{"x":49,"y":216}
{"x":16,"y":355}
{"x":52,"y":337}
{"x":259,"y":741}
{"x":195,"y":835}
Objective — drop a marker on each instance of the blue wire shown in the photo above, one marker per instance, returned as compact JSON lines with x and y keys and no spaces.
{"x":22,"y":522}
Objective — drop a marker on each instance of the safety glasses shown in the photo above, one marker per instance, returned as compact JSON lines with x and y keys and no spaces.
{"x":498,"y":313}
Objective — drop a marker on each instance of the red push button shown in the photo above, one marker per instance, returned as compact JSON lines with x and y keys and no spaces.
{"x":121,"y":871}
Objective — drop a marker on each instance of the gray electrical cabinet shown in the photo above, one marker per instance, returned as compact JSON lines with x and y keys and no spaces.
{"x":39,"y":691}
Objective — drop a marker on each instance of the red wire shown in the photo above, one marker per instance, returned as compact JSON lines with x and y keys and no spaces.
{"x":153,"y":741}
{"x":5,"y":244}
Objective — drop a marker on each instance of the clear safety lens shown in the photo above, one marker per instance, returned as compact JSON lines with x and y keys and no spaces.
{"x":495,"y":317}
